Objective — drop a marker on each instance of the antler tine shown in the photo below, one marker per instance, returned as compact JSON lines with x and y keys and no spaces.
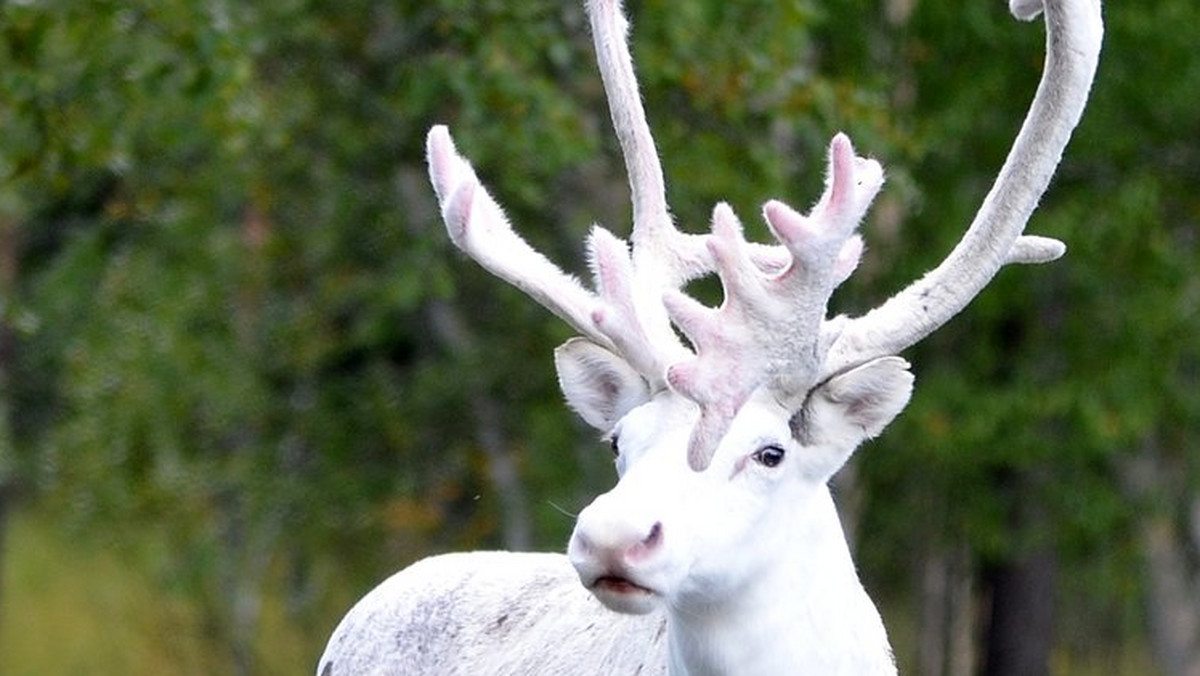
{"x":615,"y":318}
{"x":1074,"y":29}
{"x":477,"y":225}
{"x":633,"y":319}
{"x":659,"y":249}
{"x":633,"y":325}
{"x":769,"y":329}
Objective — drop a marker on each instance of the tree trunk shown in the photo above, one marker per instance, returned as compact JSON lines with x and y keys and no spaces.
{"x":6,"y":500}
{"x":503,"y":474}
{"x":1021,"y":590}
{"x":1173,"y":583}
{"x":246,"y":536}
{"x":9,"y":264}
{"x":487,"y":413}
{"x":1174,"y":605}
{"x":1020,"y":631}
{"x":946,"y":644}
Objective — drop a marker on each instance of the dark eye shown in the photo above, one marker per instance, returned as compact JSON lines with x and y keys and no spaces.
{"x":616,"y":450}
{"x":769,"y":456}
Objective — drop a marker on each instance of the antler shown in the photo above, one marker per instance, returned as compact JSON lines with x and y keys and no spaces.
{"x":770,"y":334}
{"x":634,"y":325}
{"x":768,"y":331}
{"x":657,"y":244}
{"x":614,"y":317}
{"x":1074,"y":30}
{"x":771,"y":330}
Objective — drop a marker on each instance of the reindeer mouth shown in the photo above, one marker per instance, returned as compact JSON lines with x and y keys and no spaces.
{"x":615,"y":584}
{"x":622,"y":595}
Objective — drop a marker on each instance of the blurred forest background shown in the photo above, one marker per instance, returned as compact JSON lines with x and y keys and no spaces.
{"x":244,"y":376}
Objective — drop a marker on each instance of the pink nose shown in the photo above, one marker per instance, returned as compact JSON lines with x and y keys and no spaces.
{"x":616,"y":543}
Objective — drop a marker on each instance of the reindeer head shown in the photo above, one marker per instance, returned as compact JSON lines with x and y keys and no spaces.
{"x":726,"y":442}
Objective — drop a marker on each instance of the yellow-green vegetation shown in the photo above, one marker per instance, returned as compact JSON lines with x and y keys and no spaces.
{"x":76,"y":604}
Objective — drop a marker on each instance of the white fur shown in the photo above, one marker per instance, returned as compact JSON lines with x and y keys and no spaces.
{"x":490,"y":614}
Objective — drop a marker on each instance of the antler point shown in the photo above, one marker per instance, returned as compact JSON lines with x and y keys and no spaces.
{"x":457,"y":212}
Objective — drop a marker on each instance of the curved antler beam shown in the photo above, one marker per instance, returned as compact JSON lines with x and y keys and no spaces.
{"x":1074,"y":30}
{"x":657,"y":244}
{"x":477,"y":225}
{"x":614,"y":317}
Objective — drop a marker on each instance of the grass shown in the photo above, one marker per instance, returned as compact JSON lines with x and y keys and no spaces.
{"x":72,"y":605}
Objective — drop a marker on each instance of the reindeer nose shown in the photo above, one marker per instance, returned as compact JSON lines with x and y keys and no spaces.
{"x":619,"y":539}
{"x":620,"y":549}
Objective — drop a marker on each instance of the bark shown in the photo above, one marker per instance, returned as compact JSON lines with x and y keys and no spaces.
{"x":240,"y":571}
{"x":247,"y":535}
{"x":1021,"y":590}
{"x":1173,"y":599}
{"x":931,"y":645}
{"x":7,"y":493}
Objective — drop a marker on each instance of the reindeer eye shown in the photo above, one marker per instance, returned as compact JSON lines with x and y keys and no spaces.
{"x":769,"y":456}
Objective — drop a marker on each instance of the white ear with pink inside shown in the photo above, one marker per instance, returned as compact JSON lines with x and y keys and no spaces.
{"x":848,"y":409}
{"x":598,"y":385}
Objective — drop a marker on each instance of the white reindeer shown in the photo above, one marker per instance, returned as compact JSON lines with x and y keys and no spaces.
{"x":719,"y":548}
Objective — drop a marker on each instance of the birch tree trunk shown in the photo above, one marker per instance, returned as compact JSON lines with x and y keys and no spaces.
{"x":949,"y":611}
{"x":1172,"y":571}
{"x":488,"y":419}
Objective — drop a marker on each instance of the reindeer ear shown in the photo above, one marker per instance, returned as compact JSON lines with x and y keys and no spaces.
{"x":849,"y":408}
{"x":599,"y":386}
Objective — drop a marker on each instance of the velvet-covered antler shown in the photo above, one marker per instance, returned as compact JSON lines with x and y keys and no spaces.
{"x":1074,"y":30}
{"x":771,"y":330}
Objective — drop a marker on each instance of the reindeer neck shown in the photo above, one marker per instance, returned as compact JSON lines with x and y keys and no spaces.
{"x":806,"y":613}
